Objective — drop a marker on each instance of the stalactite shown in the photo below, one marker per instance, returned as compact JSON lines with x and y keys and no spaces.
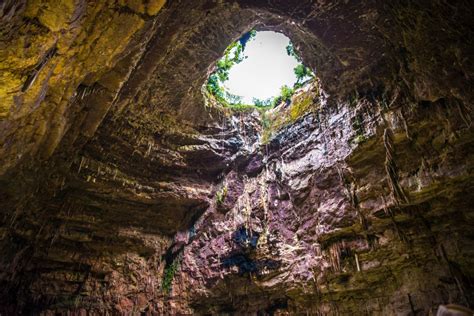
{"x":453,"y":273}
{"x":150,"y":145}
{"x":391,"y":169}
{"x":247,"y":208}
{"x":465,"y":117}
{"x":356,"y":257}
{"x":351,"y":193}
{"x":335,"y":256}
{"x":264,"y":204}
{"x":389,"y":212}
{"x":80,"y":165}
{"x":405,"y":124}
{"x":355,"y":204}
{"x":394,"y":99}
{"x":34,"y":74}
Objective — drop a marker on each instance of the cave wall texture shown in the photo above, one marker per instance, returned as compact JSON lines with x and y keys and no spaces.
{"x":122,"y":191}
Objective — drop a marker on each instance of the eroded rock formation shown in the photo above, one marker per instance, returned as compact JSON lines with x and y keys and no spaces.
{"x":122,"y":190}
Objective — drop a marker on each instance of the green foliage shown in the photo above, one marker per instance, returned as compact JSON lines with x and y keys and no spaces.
{"x":359,"y":139}
{"x":168,"y":275}
{"x":214,"y":87}
{"x":248,"y":107}
{"x":300,"y":107}
{"x":265,"y":120}
{"x":302,"y":103}
{"x":302,"y":73}
{"x":290,"y":50}
{"x":285,"y":96}
{"x":286,"y":93}
{"x":358,"y":126}
{"x":220,"y":195}
{"x":232,"y":98}
{"x":234,"y":54}
{"x":262,"y":103}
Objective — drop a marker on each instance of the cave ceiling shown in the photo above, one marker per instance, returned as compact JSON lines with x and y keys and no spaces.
{"x":110,"y":155}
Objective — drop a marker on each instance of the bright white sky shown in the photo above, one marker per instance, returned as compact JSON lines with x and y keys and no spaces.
{"x":267,"y":68}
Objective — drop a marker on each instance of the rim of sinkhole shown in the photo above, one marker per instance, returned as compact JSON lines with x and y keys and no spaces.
{"x":261,"y":69}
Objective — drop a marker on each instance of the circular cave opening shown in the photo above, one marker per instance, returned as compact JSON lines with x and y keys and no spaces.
{"x":261,"y":69}
{"x":262,"y":74}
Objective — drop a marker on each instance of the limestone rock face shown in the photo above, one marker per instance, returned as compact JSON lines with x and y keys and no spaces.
{"x":123,"y":190}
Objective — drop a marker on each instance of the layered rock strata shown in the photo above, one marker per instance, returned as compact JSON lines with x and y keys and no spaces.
{"x":123,"y":191}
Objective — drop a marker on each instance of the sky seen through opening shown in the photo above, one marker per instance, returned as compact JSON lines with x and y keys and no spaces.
{"x":265,"y":69}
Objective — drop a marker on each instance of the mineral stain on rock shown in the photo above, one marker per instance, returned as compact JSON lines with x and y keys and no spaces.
{"x":353,"y":197}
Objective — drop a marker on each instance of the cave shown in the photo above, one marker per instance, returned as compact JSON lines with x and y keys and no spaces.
{"x":126,"y":189}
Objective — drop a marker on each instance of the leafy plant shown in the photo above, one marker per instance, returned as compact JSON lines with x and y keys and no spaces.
{"x":302,"y":74}
{"x":262,"y":103}
{"x":232,"y":55}
{"x":290,"y":50}
{"x":286,"y":93}
{"x":168,"y":275}
{"x":233,"y":99}
{"x":214,"y":87}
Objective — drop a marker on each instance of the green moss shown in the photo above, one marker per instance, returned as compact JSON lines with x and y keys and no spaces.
{"x":220,"y":195}
{"x":301,"y":104}
{"x":248,"y":108}
{"x":300,"y":107}
{"x":359,"y":139}
{"x":55,"y":15}
{"x":358,"y":127}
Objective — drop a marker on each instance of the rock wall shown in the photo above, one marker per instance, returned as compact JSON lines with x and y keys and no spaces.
{"x":358,"y":209}
{"x":123,"y":191}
